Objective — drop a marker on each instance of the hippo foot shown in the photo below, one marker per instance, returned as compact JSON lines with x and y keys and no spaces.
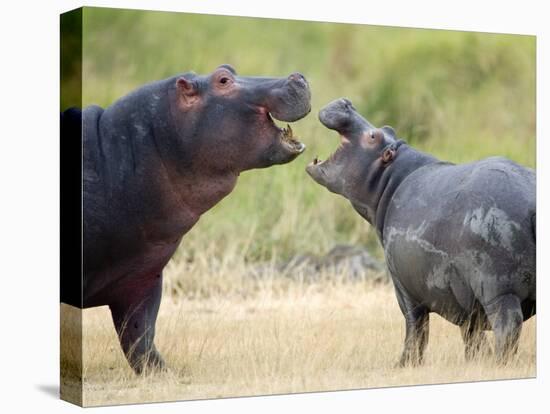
{"x":478,"y":350}
{"x":407,"y":361}
{"x":152,"y":364}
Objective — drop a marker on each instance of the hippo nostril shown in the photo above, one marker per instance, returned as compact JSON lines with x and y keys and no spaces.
{"x":297,"y":77}
{"x":347,"y":103}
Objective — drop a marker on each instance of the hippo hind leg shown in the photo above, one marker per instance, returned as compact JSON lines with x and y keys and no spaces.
{"x":506,"y":318}
{"x":135,"y":325}
{"x":475,"y":341}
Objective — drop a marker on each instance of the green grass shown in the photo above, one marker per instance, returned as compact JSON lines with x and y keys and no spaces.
{"x":460,"y":96}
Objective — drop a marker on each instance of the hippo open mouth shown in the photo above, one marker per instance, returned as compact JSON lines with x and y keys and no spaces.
{"x":290,"y":110}
{"x":338,"y":117}
{"x":343,"y":143}
{"x":326,"y":172}
{"x":286,"y":100}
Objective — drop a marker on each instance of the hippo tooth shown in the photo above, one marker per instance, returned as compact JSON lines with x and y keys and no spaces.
{"x":290,"y":134}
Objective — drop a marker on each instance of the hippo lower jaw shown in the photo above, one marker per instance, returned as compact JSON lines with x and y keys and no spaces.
{"x":320,"y":170}
{"x":290,"y":142}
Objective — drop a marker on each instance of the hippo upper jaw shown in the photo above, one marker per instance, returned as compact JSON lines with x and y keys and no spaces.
{"x":341,"y":116}
{"x":287,"y":100}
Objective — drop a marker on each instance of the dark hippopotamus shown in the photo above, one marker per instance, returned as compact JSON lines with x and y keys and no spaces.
{"x":459,"y":240}
{"x":153,"y":162}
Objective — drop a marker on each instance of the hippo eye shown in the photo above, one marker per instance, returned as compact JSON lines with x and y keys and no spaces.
{"x":225,"y":80}
{"x":375,"y":134}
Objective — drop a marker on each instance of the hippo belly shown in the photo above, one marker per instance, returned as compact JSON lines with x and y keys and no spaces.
{"x":428,"y":274}
{"x":460,"y":236}
{"x":130,"y":277}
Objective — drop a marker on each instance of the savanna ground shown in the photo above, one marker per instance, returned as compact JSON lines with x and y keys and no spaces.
{"x":460,"y":96}
{"x":287,"y":337}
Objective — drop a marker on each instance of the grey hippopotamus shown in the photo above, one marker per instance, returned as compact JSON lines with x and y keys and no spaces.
{"x":459,"y":240}
{"x":153,"y":162}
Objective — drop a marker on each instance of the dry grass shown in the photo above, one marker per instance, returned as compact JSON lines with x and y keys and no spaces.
{"x":283,"y":339}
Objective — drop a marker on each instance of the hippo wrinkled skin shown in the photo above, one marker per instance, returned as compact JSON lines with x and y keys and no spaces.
{"x":459,"y":240}
{"x":153,"y":162}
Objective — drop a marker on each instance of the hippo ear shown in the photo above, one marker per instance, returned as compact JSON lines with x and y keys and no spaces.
{"x":389,"y":130}
{"x":229,"y":68}
{"x":188,"y":91}
{"x":186,"y":86}
{"x":388,"y":155}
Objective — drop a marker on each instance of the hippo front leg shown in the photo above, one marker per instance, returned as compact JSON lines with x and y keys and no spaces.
{"x":506,"y":318}
{"x":134,"y":321}
{"x":417,"y":320}
{"x":416,"y":337}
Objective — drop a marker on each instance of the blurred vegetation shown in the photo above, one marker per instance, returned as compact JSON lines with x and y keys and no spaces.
{"x":71,"y":59}
{"x":460,"y":96}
